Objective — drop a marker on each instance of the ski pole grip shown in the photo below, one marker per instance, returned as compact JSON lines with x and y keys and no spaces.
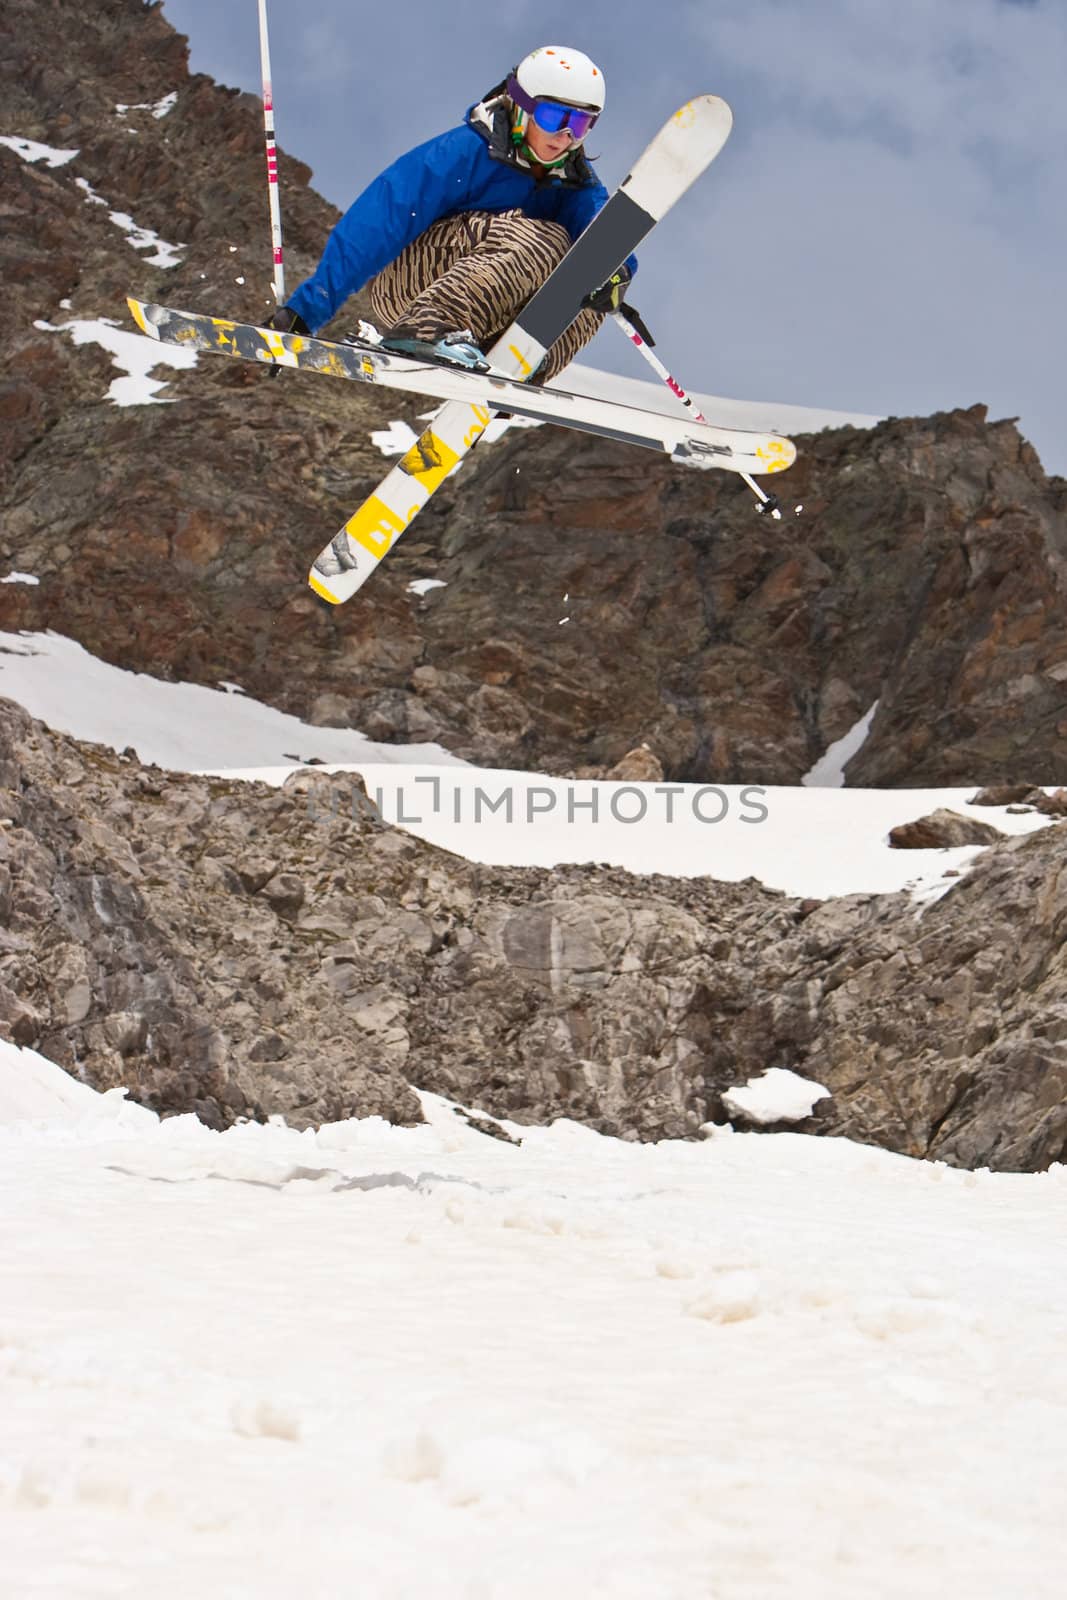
{"x":637,"y":323}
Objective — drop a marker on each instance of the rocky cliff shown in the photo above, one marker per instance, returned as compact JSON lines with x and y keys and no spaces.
{"x":240,"y":951}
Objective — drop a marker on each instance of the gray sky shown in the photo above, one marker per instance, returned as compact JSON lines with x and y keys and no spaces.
{"x":885,"y":231}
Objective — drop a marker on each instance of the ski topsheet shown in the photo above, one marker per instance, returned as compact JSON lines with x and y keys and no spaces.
{"x":687,"y":440}
{"x":674,"y":160}
{"x":679,"y":153}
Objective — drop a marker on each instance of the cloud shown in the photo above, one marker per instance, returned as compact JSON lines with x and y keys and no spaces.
{"x":972,"y":76}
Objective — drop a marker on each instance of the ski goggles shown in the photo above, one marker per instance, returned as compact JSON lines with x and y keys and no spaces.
{"x":552,"y":116}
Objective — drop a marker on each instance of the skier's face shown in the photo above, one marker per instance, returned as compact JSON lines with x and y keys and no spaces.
{"x":547,"y":146}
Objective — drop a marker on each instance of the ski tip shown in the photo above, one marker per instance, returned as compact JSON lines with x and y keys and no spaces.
{"x":137,"y":313}
{"x":321,"y":590}
{"x":705,"y":108}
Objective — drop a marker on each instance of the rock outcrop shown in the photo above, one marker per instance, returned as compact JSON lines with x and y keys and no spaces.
{"x":243,"y":951}
{"x":943,"y":829}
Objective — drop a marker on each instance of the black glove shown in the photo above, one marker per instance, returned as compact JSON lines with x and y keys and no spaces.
{"x":284,"y":320}
{"x":610,"y":295}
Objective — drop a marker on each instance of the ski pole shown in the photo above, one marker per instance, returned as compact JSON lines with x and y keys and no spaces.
{"x":272,"y":158}
{"x":632,"y":325}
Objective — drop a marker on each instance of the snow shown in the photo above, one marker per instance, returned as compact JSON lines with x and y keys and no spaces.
{"x":158,"y":108}
{"x":829,"y":770}
{"x":166,"y":255}
{"x":398,"y":437}
{"x":34,"y":1090}
{"x":814,"y":843}
{"x":393,"y":1361}
{"x":91,"y":196}
{"x":422,"y":586}
{"x":183,"y":726}
{"x":806,"y":841}
{"x":31,"y":151}
{"x":20,"y":577}
{"x":395,"y":440}
{"x":777,"y":1095}
{"x":132,"y":353}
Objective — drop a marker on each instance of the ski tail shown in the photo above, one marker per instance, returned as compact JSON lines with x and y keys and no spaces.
{"x":370,"y":533}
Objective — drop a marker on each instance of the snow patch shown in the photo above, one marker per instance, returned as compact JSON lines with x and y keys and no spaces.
{"x":829,"y":771}
{"x":34,"y":1090}
{"x":184,"y":726}
{"x":424,"y":585}
{"x":731,"y":1297}
{"x":776,"y":1096}
{"x":395,"y":440}
{"x":31,"y":151}
{"x":133,"y":354}
{"x":398,"y":438}
{"x":265,"y":1418}
{"x":158,"y":108}
{"x":91,"y":196}
{"x":20,"y":577}
{"x":166,"y":255}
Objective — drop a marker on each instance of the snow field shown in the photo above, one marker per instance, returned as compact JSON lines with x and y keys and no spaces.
{"x":810,"y":840}
{"x":387,"y":1361}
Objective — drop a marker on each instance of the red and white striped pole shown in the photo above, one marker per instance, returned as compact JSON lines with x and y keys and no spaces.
{"x":768,"y":502}
{"x":272,"y":159}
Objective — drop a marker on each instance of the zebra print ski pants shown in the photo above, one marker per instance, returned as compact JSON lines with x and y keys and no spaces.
{"x":476,"y":271}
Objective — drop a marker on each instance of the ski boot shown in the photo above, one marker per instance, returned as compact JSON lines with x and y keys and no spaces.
{"x":448,"y":349}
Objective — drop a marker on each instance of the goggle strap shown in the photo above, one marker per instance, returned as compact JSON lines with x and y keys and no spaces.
{"x":530,"y":105}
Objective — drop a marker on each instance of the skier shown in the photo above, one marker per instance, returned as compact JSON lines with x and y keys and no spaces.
{"x":457,"y":235}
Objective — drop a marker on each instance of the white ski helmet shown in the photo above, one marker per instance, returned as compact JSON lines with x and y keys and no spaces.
{"x":561,"y":76}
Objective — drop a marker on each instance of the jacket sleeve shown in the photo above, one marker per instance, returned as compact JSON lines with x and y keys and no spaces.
{"x":421,"y":187}
{"x":578,"y":209}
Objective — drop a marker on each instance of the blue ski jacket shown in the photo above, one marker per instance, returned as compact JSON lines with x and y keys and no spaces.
{"x":474,"y":167}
